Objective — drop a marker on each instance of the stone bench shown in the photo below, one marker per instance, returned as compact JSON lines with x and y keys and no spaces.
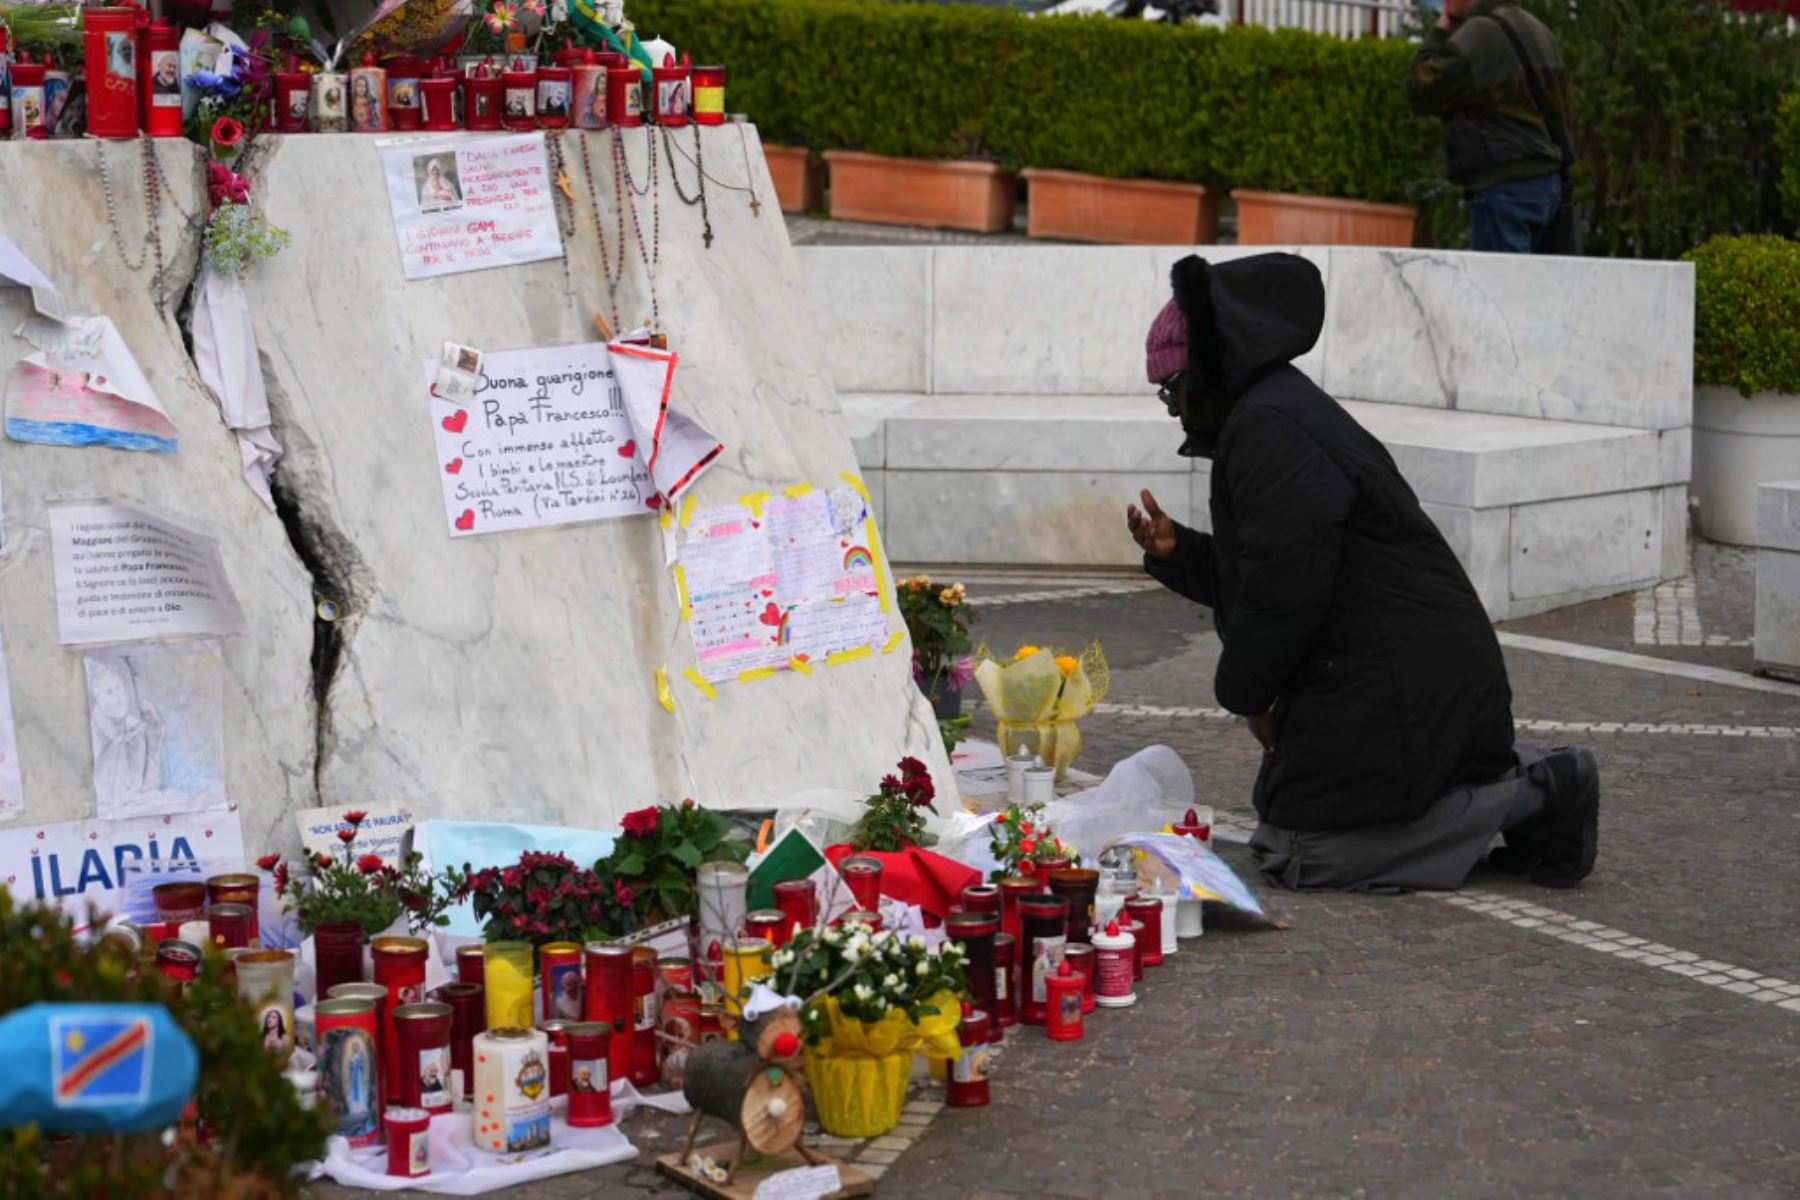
{"x":1778,"y":580}
{"x":1539,"y":407}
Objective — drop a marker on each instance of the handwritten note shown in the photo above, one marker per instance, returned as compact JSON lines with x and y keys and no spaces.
{"x":545,"y":441}
{"x":467,"y":203}
{"x":765,"y":589}
{"x":125,"y":573}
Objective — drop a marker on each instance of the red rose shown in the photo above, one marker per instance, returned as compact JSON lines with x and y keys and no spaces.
{"x":346,"y":836}
{"x":1025,"y":829}
{"x":642,"y":823}
{"x":1028,"y":846}
{"x":267,"y":862}
{"x":356,"y":816}
{"x":688,"y":802}
{"x":889,"y":785}
{"x":368,"y":864}
{"x":912,"y":766}
{"x":321,"y":861}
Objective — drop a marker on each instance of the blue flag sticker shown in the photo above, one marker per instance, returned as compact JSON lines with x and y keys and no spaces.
{"x":100,"y":1059}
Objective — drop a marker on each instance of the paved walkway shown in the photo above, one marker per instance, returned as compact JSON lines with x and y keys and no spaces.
{"x":1638,"y":1036}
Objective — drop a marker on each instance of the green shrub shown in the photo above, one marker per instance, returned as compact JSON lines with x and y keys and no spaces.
{"x":1747,"y":314}
{"x":1675,"y":107}
{"x":1787,"y":153}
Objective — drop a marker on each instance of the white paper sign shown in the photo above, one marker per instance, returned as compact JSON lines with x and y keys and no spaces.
{"x":379,"y":833}
{"x":468,"y":203}
{"x":76,"y":863}
{"x":156,"y":716}
{"x":799,"y":1183}
{"x":125,"y":573}
{"x":545,"y":442}
{"x":12,"y":788}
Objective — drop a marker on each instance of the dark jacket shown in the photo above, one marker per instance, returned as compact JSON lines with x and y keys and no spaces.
{"x":1471,"y":77}
{"x":1338,"y":602}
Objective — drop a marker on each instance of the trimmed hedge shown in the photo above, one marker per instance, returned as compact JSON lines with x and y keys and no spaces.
{"x":1747,"y":314}
{"x":1675,"y":102}
{"x":1787,"y":152}
{"x":1286,"y":111}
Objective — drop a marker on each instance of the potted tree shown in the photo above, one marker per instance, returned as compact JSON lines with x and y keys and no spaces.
{"x":1746,"y":376}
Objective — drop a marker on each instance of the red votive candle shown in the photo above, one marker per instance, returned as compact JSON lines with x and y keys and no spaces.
{"x":669,"y":97}
{"x":863,"y":916}
{"x":553,"y":97}
{"x":1080,"y":957}
{"x":231,"y":925}
{"x":862,"y":875}
{"x":798,"y":900}
{"x":645,"y":1070}
{"x":1011,"y":888}
{"x":481,"y":101}
{"x":422,"y":1032}
{"x":558,"y":1034}
{"x":159,"y":80}
{"x":559,"y":981}
{"x":609,"y":1001}
{"x":400,"y":968}
{"x":1148,"y":911}
{"x":408,"y":1142}
{"x":293,"y":102}
{"x":625,"y":95}
{"x":403,"y":74}
{"x":1062,"y":1019}
{"x":1043,"y":921}
{"x":966,"y":1084}
{"x":590,"y":1101}
{"x":709,"y":96}
{"x":520,"y":88}
{"x":981,"y":897}
{"x":1046,"y":865}
{"x":976,"y":932}
{"x":337,"y":955}
{"x":1079,"y":885}
{"x":471,"y":964}
{"x":437,"y":99}
{"x":178,"y":960}
{"x":176,"y":903}
{"x":1006,"y":984}
{"x":468,"y":1017}
{"x":1139,"y":938}
{"x":767,"y":923}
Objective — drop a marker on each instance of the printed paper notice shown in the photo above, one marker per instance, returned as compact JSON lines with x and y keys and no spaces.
{"x":127,"y":574}
{"x":156,"y":714}
{"x":545,"y":441}
{"x":12,"y":789}
{"x":468,"y":203}
{"x":379,"y":834}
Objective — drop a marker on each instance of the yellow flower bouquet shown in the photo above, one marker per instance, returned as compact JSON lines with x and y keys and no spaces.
{"x":1038,"y":694}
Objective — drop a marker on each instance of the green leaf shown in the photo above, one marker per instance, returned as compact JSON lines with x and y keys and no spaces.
{"x":688,"y":854}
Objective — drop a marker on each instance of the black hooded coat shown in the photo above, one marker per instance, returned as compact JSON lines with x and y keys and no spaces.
{"x":1339,"y":603}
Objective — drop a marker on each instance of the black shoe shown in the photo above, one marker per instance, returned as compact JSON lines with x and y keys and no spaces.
{"x":1523,"y":850}
{"x":1569,"y":829}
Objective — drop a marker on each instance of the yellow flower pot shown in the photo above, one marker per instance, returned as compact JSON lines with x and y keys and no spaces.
{"x":858,"y":1096}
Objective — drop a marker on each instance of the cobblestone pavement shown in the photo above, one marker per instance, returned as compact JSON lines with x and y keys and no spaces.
{"x":1638,"y":1036}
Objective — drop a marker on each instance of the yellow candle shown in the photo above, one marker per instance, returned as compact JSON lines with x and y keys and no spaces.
{"x":507,"y":974}
{"x":746,"y":961}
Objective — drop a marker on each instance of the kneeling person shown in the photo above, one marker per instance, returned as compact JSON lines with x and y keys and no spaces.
{"x":1353,"y":641}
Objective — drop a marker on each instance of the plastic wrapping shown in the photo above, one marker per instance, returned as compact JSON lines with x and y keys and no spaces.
{"x":1038,"y":699}
{"x":860,"y":1069}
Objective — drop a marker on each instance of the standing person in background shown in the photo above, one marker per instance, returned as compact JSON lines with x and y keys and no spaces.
{"x":1493,"y":72}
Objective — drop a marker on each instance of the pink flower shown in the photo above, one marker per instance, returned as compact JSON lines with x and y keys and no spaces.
{"x":962,"y":672}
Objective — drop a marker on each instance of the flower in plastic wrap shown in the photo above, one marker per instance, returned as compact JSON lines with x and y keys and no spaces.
{"x":1039,"y":694}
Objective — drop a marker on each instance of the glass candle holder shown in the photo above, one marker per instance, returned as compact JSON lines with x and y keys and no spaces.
{"x":625,"y":96}
{"x":178,"y":960}
{"x":349,"y":1059}
{"x":559,"y":977}
{"x":1077,"y":885}
{"x":1148,"y":911}
{"x":422,"y":1033}
{"x":1047,"y":867}
{"x":862,"y":875}
{"x":767,"y":923}
{"x":1044,"y":922}
{"x":553,"y":86}
{"x":644,"y":1067}
{"x":408,"y":1142}
{"x":798,"y":900}
{"x":470,"y":960}
{"x":1011,"y":888}
{"x":265,"y":979}
{"x":981,"y":897}
{"x":337,"y":954}
{"x":468,"y":1017}
{"x":179,"y":903}
{"x":721,"y":887}
{"x":293,"y":102}
{"x":234,"y":889}
{"x":231,"y":926}
{"x":481,"y":102}
{"x":507,"y":975}
{"x":610,"y":1001}
{"x":400,"y":968}
{"x":1006,"y":984}
{"x":709,"y":95}
{"x":746,"y":961}
{"x":590,"y":1100}
{"x":1080,"y":957}
{"x":976,"y":931}
{"x":520,"y":94}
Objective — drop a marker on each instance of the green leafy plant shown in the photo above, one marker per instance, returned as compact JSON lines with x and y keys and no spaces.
{"x":1787,"y":149}
{"x":659,"y":852}
{"x":1747,"y":314}
{"x":937,"y":620}
{"x":870,"y":973}
{"x":545,"y":898}
{"x":891,"y":818}
{"x":258,"y":1130}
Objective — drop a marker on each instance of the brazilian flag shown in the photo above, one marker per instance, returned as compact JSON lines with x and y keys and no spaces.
{"x":584,"y":15}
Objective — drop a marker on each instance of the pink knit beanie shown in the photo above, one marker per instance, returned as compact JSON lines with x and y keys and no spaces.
{"x":1166,"y":349}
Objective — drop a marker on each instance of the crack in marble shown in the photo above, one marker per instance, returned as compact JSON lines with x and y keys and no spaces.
{"x":1445,"y":377}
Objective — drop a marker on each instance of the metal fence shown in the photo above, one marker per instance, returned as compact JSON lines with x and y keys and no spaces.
{"x":1336,"y":18}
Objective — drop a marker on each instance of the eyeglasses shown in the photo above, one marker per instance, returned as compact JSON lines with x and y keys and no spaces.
{"x":1168,"y":390}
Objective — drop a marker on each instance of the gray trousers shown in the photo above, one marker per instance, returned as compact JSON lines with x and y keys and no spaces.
{"x":1433,"y":852}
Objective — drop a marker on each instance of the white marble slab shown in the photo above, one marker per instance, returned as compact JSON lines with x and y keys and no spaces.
{"x":1602,"y":341}
{"x":1778,"y":611}
{"x":1778,"y":515}
{"x":1022,"y":517}
{"x":1055,"y":320}
{"x":51,"y":205}
{"x":512,"y":676}
{"x":1032,"y":433}
{"x":871,"y":306}
{"x":1586,"y":544}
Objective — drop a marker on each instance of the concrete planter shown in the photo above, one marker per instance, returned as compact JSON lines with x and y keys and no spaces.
{"x":799,"y":178}
{"x":1740,"y":442}
{"x":976,"y":196}
{"x":1139,"y":212}
{"x":1282,"y":219}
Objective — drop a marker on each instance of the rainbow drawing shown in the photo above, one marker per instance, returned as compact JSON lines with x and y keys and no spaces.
{"x":784,"y":632}
{"x":858,"y":558}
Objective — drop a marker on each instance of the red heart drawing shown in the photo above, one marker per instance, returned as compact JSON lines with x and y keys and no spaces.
{"x":93,"y":837}
{"x":209,"y":833}
{"x":454,"y":466}
{"x":770,"y":614}
{"x":756,"y":524}
{"x":653,"y":502}
{"x":767,"y":592}
{"x":40,"y":835}
{"x":628,"y":449}
{"x":466,"y":522}
{"x":456,"y":420}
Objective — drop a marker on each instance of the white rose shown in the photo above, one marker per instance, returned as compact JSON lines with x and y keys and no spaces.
{"x":915,"y":943}
{"x":833,"y":937}
{"x":953,"y":950}
{"x":891,"y":982}
{"x":863,"y":992}
{"x":884,"y":937}
{"x":922,"y":970}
